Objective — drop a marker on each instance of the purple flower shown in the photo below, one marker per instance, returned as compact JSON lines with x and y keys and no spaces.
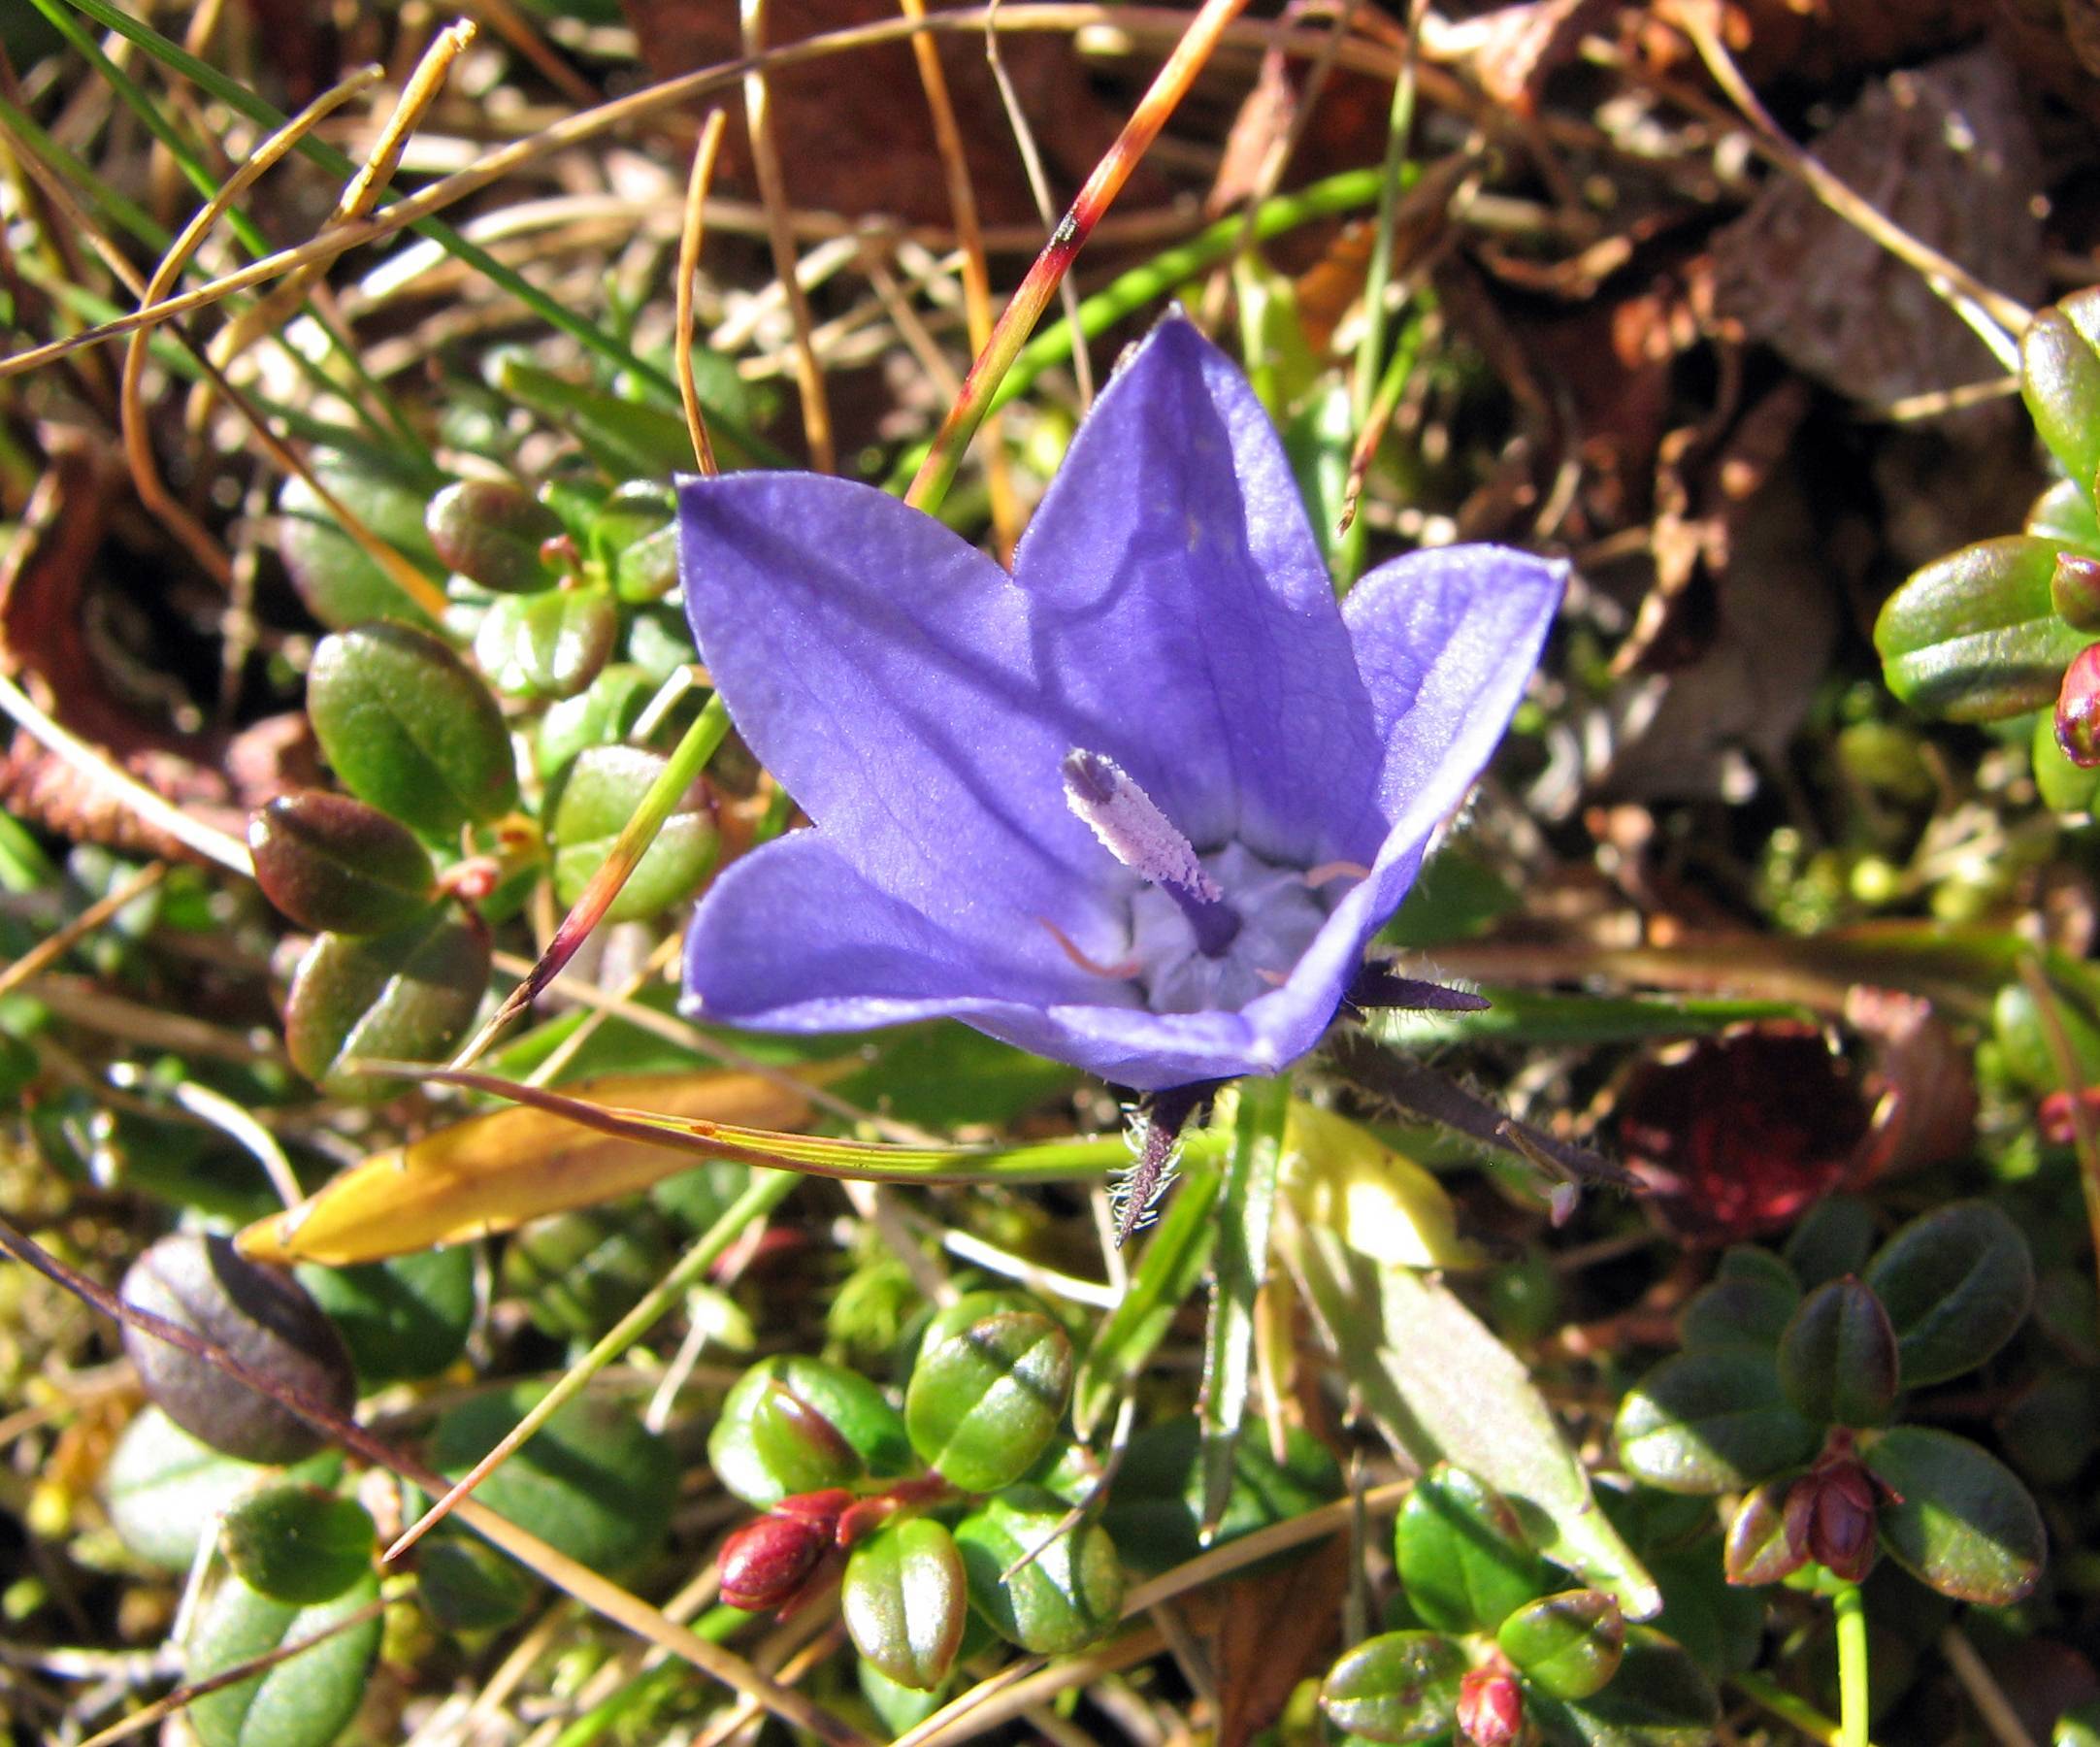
{"x":1137,"y":806}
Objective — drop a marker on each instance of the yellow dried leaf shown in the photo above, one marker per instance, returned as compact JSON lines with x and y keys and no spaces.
{"x":494,"y":1172}
{"x":1342,"y":1178}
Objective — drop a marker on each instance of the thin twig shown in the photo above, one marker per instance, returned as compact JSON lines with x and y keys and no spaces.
{"x":56,"y":945}
{"x":772,"y":190}
{"x":1038,"y":185}
{"x":690,"y":236}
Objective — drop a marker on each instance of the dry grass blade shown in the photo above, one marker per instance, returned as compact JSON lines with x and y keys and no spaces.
{"x":55,"y":945}
{"x":780,"y":235}
{"x":361,"y":195}
{"x":1057,"y":17}
{"x":690,"y":236}
{"x":976,"y":279}
{"x":138,"y":442}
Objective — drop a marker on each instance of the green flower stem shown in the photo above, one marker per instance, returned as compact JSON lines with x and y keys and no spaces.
{"x":1852,"y":1647}
{"x":1247,"y":1206}
{"x":765,"y":1192}
{"x":1797,"y":1713}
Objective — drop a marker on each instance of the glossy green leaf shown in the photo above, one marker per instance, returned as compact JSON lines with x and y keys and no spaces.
{"x":491,"y":530}
{"x":338,"y":580}
{"x":404,"y":1319}
{"x":2023,"y":1039}
{"x":2063,"y":516}
{"x":634,"y":538}
{"x":1440,"y":1384}
{"x":1711,"y":1422}
{"x":793,"y":1424}
{"x":1464,"y":1560}
{"x":2052,"y":1429}
{"x":329,"y":862}
{"x":1566,"y":1645}
{"x":605,"y":785}
{"x":1832,"y":1238}
{"x":2062,"y":785}
{"x":904,"y":1598}
{"x":1957,"y":1283}
{"x":1660,"y":1697}
{"x":993,"y":1377}
{"x":263,"y":1319}
{"x":1738,"y":1311}
{"x":592,"y":1482}
{"x":304,"y":1701}
{"x":1963,"y":1523}
{"x":406,"y":996}
{"x":1401,"y":1685}
{"x":1065,"y":1596}
{"x":579,"y":1273}
{"x":1155,"y":1508}
{"x":301,"y":1544}
{"x":602,"y":715}
{"x":467,"y":1586}
{"x":409,"y":728}
{"x":2059,"y":378}
{"x":165,"y":1488}
{"x":1837,"y":1360}
{"x":546,"y":645}
{"x":1975,"y":636}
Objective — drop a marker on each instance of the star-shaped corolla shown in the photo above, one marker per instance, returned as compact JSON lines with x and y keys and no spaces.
{"x":1138,"y":805}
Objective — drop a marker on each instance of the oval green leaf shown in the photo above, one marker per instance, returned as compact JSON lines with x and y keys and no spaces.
{"x":1064,"y":1596}
{"x":339,"y":581}
{"x":793,"y":1424}
{"x":1956,"y":1282}
{"x":592,"y":1482}
{"x":329,"y":862}
{"x":1975,"y":636}
{"x":404,"y":1319}
{"x":990,"y":1386}
{"x":406,"y":996}
{"x":409,"y":728}
{"x":301,"y":1544}
{"x":904,"y":1598}
{"x":604,"y":788}
{"x":1401,"y":1685}
{"x":546,"y":645}
{"x":1660,"y":1697}
{"x":491,"y":530}
{"x":1567,"y":1646}
{"x":302,"y":1702}
{"x":1964,"y":1524}
{"x":1711,"y":1422}
{"x":1837,"y":1360}
{"x":1465,"y":1559}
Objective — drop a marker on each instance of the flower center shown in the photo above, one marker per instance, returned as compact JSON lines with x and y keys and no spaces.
{"x":1138,"y":834}
{"x":1208,"y":933}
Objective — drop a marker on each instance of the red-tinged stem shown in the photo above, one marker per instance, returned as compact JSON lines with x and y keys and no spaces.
{"x":686,"y":762}
{"x":1018,"y":319}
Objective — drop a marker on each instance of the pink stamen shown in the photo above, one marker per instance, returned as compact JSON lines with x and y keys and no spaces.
{"x":1119,"y":971}
{"x":1326,"y":873}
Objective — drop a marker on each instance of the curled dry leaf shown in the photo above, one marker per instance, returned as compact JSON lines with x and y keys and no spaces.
{"x":494,"y":1172}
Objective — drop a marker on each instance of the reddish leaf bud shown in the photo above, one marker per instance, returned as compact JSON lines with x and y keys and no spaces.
{"x":767,"y":1563}
{"x":1490,"y":1707}
{"x":2078,"y":709}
